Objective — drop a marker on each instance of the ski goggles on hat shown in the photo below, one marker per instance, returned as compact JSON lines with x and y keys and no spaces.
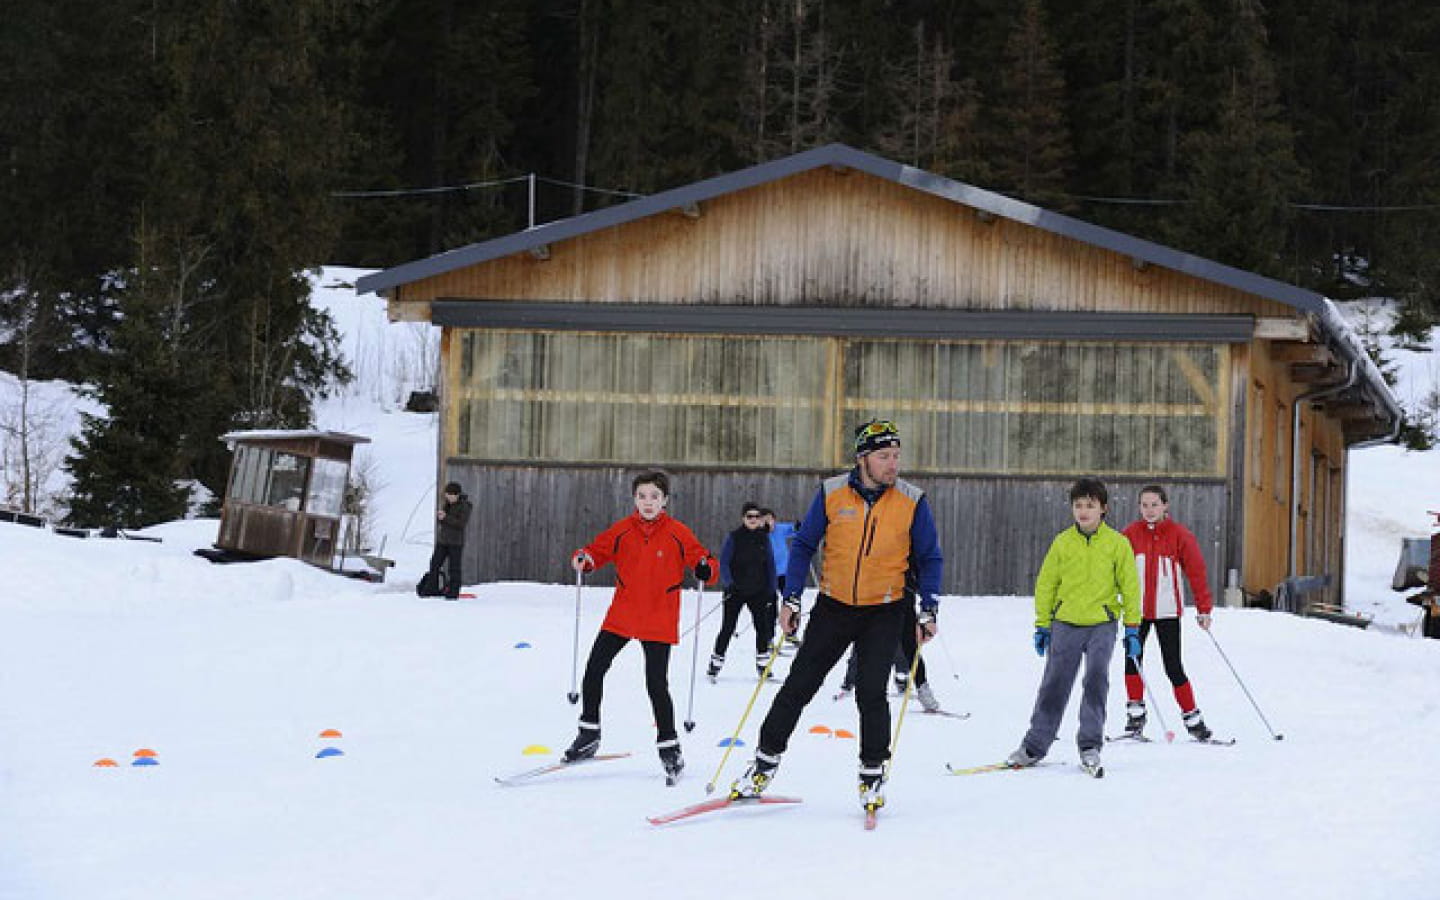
{"x":875,"y":434}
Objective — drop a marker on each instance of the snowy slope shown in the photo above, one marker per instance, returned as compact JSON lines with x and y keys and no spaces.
{"x":1390,"y":489}
{"x":230,"y":673}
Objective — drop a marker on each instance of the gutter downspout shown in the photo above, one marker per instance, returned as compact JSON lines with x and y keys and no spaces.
{"x":1351,"y":377}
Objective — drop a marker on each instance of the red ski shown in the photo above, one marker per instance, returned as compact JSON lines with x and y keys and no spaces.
{"x":715,"y":805}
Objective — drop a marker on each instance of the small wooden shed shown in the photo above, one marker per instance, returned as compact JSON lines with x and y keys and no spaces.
{"x":286,"y":494}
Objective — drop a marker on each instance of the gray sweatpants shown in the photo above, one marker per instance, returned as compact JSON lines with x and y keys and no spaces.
{"x":1068,"y":645}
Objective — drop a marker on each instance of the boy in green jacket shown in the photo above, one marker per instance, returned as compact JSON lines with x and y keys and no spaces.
{"x":1087,"y":582}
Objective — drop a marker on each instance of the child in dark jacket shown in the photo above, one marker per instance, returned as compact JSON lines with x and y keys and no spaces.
{"x":651,"y":552}
{"x":747,"y":571}
{"x":450,"y":522}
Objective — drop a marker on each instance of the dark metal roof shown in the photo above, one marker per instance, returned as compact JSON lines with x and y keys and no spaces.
{"x":842,"y":321}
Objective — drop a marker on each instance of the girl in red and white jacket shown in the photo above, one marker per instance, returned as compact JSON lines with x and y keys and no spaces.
{"x":1165,"y":551}
{"x":651,"y":552}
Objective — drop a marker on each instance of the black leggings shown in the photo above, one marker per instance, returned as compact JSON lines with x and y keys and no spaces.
{"x":1167,"y":632}
{"x":760,"y":606}
{"x":657,"y":666}
{"x":448,"y":555}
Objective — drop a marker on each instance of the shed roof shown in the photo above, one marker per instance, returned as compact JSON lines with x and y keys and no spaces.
{"x":278,"y":434}
{"x":1328,"y":319}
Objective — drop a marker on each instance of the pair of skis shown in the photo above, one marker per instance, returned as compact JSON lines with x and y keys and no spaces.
{"x":685,"y":812}
{"x":1140,"y":738}
{"x":1094,"y":771}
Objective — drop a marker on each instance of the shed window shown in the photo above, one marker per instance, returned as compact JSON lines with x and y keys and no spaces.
{"x":1023,"y":407}
{"x":268,"y":478}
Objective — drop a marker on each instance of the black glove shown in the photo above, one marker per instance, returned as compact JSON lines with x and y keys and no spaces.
{"x":928,"y":615}
{"x":703,"y":570}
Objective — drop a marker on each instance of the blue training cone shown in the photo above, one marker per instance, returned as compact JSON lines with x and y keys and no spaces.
{"x":328,"y":752}
{"x":523,"y":645}
{"x":145,"y":761}
{"x":730,"y":742}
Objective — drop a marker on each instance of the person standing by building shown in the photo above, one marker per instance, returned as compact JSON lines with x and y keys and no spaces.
{"x":1086,"y":583}
{"x":874,"y":528}
{"x":1165,"y":551}
{"x":747,"y":572}
{"x":450,"y":522}
{"x":651,"y":551}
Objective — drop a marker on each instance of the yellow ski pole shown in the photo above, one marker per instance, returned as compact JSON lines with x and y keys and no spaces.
{"x":730,"y":744}
{"x":900,"y":719}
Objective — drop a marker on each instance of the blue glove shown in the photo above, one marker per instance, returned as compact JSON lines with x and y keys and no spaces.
{"x":1042,"y":641}
{"x":1132,"y":641}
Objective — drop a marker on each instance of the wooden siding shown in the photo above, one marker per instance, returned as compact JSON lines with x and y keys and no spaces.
{"x":839,"y":239}
{"x":994,"y":532}
{"x":1268,"y":484}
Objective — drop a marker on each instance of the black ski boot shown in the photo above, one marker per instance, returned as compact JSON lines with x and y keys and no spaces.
{"x":712,"y":671}
{"x":1195,"y":724}
{"x":1134,"y":718}
{"x":585,"y":744}
{"x":671,"y":759}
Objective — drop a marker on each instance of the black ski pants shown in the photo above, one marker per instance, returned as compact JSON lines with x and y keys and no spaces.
{"x":607,"y":645}
{"x":448,"y":555}
{"x":1167,"y":633}
{"x":760,"y":605}
{"x":904,"y":651}
{"x":834,"y":627}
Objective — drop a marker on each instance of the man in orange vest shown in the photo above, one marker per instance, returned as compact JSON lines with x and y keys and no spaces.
{"x":874,"y":528}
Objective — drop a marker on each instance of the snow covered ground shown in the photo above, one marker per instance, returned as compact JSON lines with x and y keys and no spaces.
{"x":230,"y":673}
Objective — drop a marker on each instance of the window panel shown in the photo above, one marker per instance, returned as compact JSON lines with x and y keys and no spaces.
{"x":1023,"y":407}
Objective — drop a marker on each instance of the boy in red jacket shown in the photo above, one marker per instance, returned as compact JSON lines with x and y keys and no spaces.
{"x":1164,"y":550}
{"x":651,"y":552}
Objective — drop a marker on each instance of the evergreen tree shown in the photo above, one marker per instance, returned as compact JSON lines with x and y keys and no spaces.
{"x":792,"y":78}
{"x":127,"y":463}
{"x":1030,"y":146}
{"x":933,"y":117}
{"x":1240,"y":174}
{"x":68,"y":101}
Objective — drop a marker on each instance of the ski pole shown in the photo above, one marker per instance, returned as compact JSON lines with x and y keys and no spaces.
{"x":900,"y":719}
{"x":1241,"y":682}
{"x":694,"y":654}
{"x":730,"y":744}
{"x":708,"y":613}
{"x":1139,"y":670}
{"x":574,"y":695}
{"x":948,"y":658}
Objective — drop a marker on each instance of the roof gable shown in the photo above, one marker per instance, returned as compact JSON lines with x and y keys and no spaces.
{"x":841,"y":155}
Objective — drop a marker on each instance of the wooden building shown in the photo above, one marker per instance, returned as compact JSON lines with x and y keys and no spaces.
{"x":734,"y":331}
{"x":286,"y":494}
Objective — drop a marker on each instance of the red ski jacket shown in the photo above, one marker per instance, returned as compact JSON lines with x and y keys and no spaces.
{"x":651,"y":562}
{"x":1163,"y":552}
